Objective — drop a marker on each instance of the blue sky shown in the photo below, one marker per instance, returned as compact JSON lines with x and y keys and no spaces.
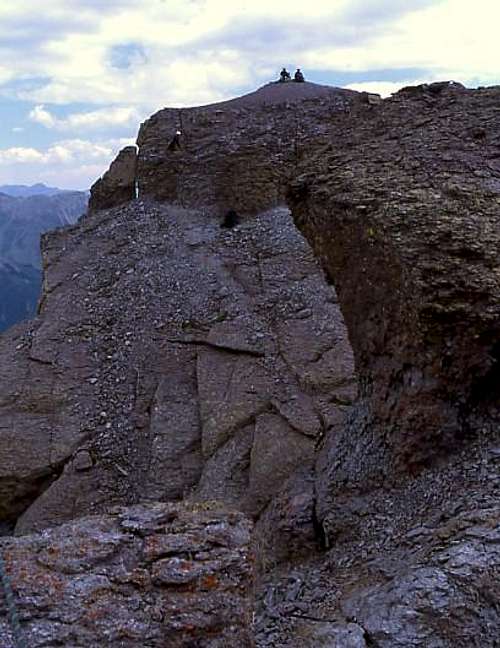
{"x":77,"y":77}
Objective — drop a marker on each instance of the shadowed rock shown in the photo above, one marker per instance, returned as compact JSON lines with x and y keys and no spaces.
{"x":404,"y":213}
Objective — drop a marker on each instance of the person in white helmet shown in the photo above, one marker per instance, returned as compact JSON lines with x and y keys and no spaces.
{"x":176,"y":141}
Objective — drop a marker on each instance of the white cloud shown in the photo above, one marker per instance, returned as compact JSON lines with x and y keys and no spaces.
{"x":192,"y":51}
{"x":72,"y":163}
{"x":189,"y":52}
{"x":101,"y":119}
{"x":383,"y":88}
{"x":20,"y":155}
{"x":5,"y":74}
{"x":42,"y":116}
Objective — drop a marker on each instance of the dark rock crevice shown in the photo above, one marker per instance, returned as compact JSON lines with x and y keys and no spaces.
{"x":220,"y":347}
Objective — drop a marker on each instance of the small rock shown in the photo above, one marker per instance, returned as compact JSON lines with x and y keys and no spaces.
{"x":82,"y":461}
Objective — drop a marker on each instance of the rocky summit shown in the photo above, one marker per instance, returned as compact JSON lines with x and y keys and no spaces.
{"x":259,"y":405}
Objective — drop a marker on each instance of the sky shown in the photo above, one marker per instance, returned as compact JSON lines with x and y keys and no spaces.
{"x":77,"y":77}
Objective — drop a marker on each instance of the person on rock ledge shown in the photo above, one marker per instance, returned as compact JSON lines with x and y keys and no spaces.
{"x":285,"y":75}
{"x":175,"y":143}
{"x":298,"y":76}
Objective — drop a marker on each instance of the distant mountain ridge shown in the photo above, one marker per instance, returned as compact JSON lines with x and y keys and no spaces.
{"x":24,"y":191}
{"x":22,"y":220}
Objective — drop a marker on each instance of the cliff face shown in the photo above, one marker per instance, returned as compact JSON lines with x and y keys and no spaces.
{"x":118,"y":184}
{"x":239,"y":154}
{"x":404,"y":213}
{"x":170,"y":354}
{"x":173,"y":359}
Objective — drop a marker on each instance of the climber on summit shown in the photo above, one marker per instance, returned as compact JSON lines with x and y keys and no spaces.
{"x":285,"y":75}
{"x":175,"y":142}
{"x":299,"y":77}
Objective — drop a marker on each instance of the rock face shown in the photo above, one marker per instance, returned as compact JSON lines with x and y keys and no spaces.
{"x":170,"y":355}
{"x":404,"y":213}
{"x":450,"y":595}
{"x":156,"y":575}
{"x":238,"y":154}
{"x":229,"y":362}
{"x":117,"y":185}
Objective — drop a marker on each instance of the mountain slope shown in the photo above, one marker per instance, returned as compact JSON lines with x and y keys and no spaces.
{"x":19,"y":293}
{"x":22,"y":221}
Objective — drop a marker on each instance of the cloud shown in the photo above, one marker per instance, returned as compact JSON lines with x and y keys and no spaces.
{"x":20,"y":155}
{"x":102,"y":119}
{"x":374,"y":12}
{"x":72,"y":163}
{"x":222,"y":48}
{"x":383,"y":88}
{"x":42,"y":116}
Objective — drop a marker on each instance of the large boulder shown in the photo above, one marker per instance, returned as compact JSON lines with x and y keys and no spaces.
{"x":118,"y":184}
{"x":149,"y":575}
{"x":404,"y":213}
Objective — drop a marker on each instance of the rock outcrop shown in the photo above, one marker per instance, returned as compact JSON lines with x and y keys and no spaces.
{"x":169,"y":355}
{"x":404,"y":213}
{"x":239,"y":154}
{"x":172,"y":357}
{"x":156,"y":575}
{"x":117,"y":185}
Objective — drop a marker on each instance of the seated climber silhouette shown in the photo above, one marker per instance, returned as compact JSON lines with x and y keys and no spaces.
{"x":175,"y":142}
{"x":285,"y":75}
{"x":298,"y":76}
{"x":231,"y":219}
